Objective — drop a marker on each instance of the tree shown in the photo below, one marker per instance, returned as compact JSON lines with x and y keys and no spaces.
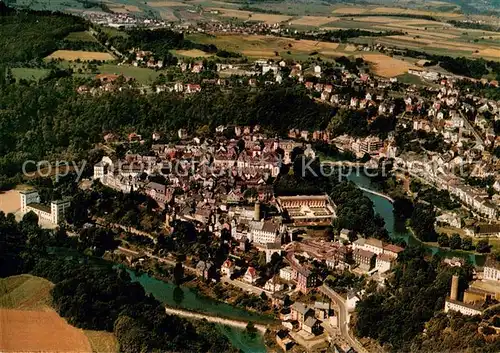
{"x":483,"y":246}
{"x":178,"y":273}
{"x":467,"y":243}
{"x":241,"y":145}
{"x":443,"y":240}
{"x":422,"y":222}
{"x":251,"y":329}
{"x":455,"y":241}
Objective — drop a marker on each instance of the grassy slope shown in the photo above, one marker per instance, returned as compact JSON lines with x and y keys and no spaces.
{"x":27,"y":292}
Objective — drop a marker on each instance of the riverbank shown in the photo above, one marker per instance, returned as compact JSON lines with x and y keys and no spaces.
{"x":214,"y":319}
{"x":399,"y":230}
{"x":185,"y":299}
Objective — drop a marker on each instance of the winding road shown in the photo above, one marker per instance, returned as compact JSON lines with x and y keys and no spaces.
{"x":342,"y":320}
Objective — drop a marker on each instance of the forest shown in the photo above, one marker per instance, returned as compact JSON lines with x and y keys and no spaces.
{"x":97,"y":297}
{"x":27,"y":35}
{"x":475,"y":68}
{"x":49,"y":119}
{"x":342,"y":35}
{"x":412,"y":300}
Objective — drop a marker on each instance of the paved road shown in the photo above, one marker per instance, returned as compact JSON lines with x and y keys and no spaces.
{"x":342,"y":320}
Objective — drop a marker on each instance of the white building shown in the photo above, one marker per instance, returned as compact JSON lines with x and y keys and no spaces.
{"x":264,"y":232}
{"x":383,"y":263}
{"x":286,"y":273}
{"x":466,"y":309}
{"x":30,"y":202}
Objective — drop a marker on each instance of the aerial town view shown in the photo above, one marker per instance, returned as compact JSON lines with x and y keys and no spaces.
{"x":249,"y":176}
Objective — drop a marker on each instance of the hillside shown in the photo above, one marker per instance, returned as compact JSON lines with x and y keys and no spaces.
{"x":25,"y":292}
{"x":25,"y":303}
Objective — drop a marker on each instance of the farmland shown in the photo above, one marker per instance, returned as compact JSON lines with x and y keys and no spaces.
{"x":39,"y":331}
{"x":83,"y":36}
{"x":30,"y":74}
{"x":141,"y":74}
{"x":248,"y":15}
{"x":25,"y":292}
{"x":73,"y":55}
{"x":192,"y":53}
{"x":387,"y":66}
{"x":29,"y":324}
{"x":268,"y":46}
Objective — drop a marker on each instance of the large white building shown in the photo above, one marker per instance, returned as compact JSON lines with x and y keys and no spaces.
{"x":30,"y":202}
{"x":464,"y":308}
{"x":306,"y":210}
{"x":265,"y":232}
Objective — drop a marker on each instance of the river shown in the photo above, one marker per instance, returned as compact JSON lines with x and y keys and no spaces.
{"x":185,"y":298}
{"x":398,"y":230}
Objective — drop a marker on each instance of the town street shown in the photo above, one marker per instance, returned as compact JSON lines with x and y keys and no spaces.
{"x":342,"y":321}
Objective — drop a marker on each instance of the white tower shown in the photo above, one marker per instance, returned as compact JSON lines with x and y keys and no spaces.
{"x":28,"y":197}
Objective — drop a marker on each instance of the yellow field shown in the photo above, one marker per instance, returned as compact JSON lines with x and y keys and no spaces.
{"x":72,"y":55}
{"x":25,"y":292}
{"x":313,"y":20}
{"x":266,"y":44}
{"x":387,"y":66}
{"x":192,"y":53}
{"x":413,"y":39}
{"x":39,"y":331}
{"x":166,"y":4}
{"x":259,"y":53}
{"x":101,"y":341}
{"x":350,"y":47}
{"x":349,"y":10}
{"x":492,"y":53}
{"x":29,"y":324}
{"x":124,"y":8}
{"x":248,"y":15}
{"x":10,"y":201}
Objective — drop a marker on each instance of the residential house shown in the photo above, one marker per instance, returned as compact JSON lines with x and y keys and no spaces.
{"x":227,"y":268}
{"x":205,"y":270}
{"x":364,"y":259}
{"x":250,"y":275}
{"x":312,"y":326}
{"x":273,"y":285}
{"x":383,"y":262}
{"x":301,"y":312}
{"x":491,"y":270}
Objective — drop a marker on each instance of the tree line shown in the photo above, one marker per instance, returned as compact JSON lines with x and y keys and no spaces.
{"x":93,"y":295}
{"x":342,"y":35}
{"x":406,"y":314}
{"x":65,"y":123}
{"x":27,"y":35}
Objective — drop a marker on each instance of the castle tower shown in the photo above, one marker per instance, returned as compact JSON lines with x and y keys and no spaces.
{"x":256,"y":212}
{"x":454,"y":288}
{"x":27,"y":197}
